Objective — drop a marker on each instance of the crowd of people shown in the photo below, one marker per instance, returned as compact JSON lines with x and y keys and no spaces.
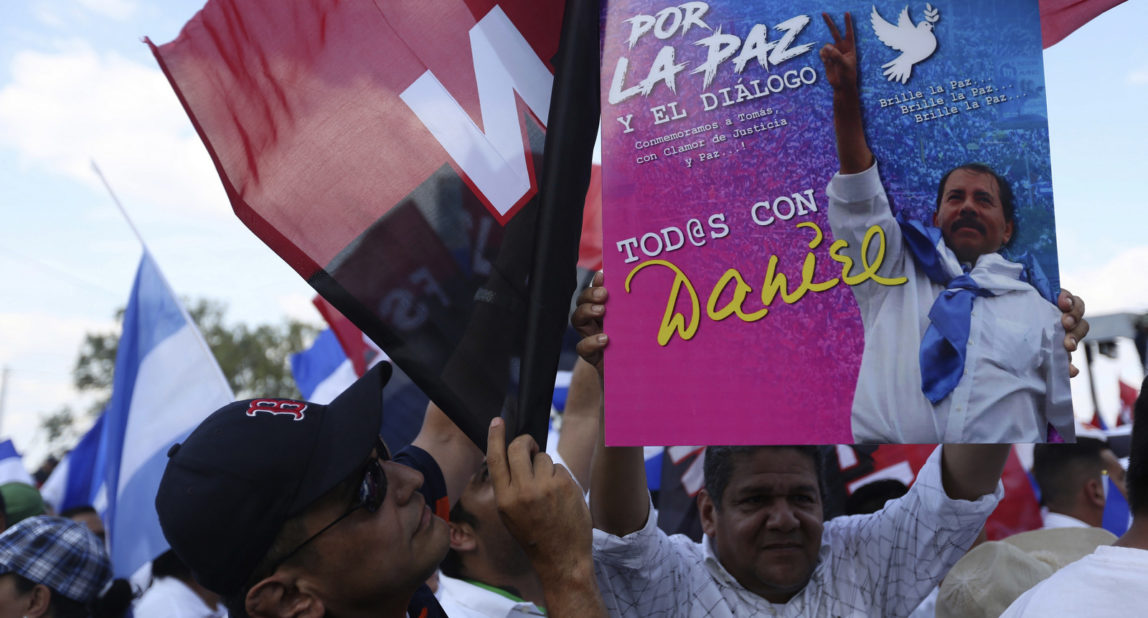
{"x":322,"y":519}
{"x":275,"y":507}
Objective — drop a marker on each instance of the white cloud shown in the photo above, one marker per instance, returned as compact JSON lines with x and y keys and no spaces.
{"x":116,"y":9}
{"x":47,"y":14}
{"x":64,"y":109}
{"x":39,"y":351}
{"x":299,"y":307}
{"x":1138,"y":77}
{"x":1115,"y":286}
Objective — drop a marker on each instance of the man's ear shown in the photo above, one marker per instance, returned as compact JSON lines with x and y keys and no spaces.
{"x":1094,"y":492}
{"x":708,"y":512}
{"x":462,"y":538}
{"x":38,"y":601}
{"x":1008,"y":228}
{"x":278,"y":596}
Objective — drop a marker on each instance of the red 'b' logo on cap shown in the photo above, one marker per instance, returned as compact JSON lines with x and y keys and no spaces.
{"x":277,"y":406}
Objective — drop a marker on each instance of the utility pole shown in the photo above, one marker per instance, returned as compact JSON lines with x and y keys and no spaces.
{"x":3,"y":395}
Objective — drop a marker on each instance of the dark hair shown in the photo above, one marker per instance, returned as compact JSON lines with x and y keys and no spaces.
{"x":1008,"y":200}
{"x":113,"y":603}
{"x":871,"y":497}
{"x":1137,"y":479}
{"x":451,"y":565}
{"x":720,"y":463}
{"x":168,"y":564}
{"x":68,"y":513}
{"x":1061,"y":469}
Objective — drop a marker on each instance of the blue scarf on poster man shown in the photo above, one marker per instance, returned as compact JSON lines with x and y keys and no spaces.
{"x":944,"y":344}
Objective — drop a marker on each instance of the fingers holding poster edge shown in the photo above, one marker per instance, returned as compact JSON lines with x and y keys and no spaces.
{"x":1075,"y":326}
{"x":587,"y":322}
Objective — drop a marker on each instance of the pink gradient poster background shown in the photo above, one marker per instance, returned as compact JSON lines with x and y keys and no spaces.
{"x":702,"y":178}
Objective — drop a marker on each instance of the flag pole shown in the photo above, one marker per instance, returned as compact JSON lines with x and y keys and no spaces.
{"x":566,"y":163}
{"x":182,"y":310}
{"x":116,"y":200}
{"x":3,"y":392}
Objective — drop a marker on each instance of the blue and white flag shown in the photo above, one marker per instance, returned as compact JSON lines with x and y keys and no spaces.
{"x":1117,"y":517}
{"x":166,"y":382}
{"x":323,"y":370}
{"x":79,"y":478}
{"x":12,"y":465}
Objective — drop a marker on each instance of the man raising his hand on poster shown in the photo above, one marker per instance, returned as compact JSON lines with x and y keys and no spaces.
{"x":767,"y":549}
{"x":967,"y":350}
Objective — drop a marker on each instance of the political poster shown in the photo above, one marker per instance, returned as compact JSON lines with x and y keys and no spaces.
{"x":736,"y":314}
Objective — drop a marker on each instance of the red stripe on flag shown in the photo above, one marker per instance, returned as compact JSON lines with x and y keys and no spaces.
{"x":1060,"y":18}
{"x":590,"y":247}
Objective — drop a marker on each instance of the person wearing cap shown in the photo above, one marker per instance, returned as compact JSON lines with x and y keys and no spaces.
{"x":290,"y":508}
{"x":21,"y":501}
{"x":55,"y":568}
{"x":1112,"y":580}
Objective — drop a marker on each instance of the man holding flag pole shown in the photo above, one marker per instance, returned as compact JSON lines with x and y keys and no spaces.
{"x":448,"y":262}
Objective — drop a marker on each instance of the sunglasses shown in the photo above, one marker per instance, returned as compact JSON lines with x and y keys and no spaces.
{"x":372,"y":491}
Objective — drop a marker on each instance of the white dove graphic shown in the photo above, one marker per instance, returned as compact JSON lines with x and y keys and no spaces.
{"x":915,"y":42}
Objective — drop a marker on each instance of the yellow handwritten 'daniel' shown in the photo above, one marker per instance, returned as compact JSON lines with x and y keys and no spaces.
{"x":775,"y":283}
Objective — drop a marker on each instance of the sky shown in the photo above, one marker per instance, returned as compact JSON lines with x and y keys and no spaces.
{"x":77,"y":85}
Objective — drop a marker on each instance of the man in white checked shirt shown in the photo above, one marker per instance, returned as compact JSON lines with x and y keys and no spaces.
{"x":767,"y":550}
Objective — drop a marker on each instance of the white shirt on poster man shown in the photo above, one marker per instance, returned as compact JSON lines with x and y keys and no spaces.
{"x":1016,"y":369}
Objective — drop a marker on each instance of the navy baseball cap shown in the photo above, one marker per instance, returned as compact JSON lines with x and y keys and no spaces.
{"x":253,"y":464}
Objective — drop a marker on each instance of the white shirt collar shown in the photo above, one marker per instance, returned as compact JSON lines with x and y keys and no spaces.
{"x":481,"y":600}
{"x":1060,"y":520}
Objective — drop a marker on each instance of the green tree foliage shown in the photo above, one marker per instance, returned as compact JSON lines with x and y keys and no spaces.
{"x":255,"y":360}
{"x":60,"y":429}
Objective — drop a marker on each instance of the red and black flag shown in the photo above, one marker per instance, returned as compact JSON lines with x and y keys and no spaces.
{"x":392,"y":152}
{"x":1060,"y":18}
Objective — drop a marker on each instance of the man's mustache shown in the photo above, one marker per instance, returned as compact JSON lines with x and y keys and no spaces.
{"x":967,"y":221}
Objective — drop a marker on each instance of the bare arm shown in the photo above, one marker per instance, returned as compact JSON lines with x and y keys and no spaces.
{"x":580,"y":422}
{"x":969,"y":471}
{"x":455,"y":454}
{"x":619,"y":499}
{"x":840,"y":60}
{"x":544,"y":511}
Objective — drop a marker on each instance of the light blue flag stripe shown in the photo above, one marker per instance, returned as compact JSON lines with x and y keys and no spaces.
{"x":165,"y":382}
